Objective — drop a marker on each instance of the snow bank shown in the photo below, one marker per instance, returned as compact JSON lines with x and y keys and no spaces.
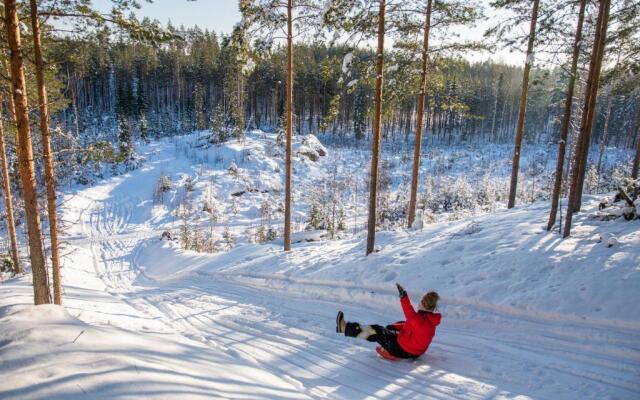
{"x":164,"y":260}
{"x":504,"y":261}
{"x":46,"y":353}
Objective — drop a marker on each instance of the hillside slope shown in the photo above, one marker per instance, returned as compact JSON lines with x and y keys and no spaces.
{"x":525,"y":314}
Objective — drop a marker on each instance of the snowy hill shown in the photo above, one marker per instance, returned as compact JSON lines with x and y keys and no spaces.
{"x":525,"y":314}
{"x":505,"y":261}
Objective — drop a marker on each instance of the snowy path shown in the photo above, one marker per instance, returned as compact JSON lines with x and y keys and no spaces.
{"x":286,"y":328}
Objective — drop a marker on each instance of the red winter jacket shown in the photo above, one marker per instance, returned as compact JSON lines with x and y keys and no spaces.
{"x":417,"y":332}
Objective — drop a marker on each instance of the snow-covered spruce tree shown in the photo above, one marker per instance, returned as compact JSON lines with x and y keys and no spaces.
{"x":125,"y":139}
{"x":486,"y":196}
{"x":144,"y":129}
{"x":234,"y":62}
{"x":219,"y":133}
{"x":591,"y":179}
{"x":162,"y":186}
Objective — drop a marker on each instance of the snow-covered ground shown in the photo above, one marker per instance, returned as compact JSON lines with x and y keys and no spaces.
{"x":525,"y":314}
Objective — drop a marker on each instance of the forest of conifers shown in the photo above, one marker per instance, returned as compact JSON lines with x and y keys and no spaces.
{"x":177,"y":86}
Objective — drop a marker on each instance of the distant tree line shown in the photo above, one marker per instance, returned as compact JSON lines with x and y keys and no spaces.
{"x":177,"y":87}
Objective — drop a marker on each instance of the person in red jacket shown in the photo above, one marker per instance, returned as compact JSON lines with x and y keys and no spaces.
{"x":404,"y":339}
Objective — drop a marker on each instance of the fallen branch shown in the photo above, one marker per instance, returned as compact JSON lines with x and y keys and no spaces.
{"x":626,"y":197}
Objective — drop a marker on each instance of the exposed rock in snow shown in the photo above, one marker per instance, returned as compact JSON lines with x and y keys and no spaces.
{"x":310,"y":148}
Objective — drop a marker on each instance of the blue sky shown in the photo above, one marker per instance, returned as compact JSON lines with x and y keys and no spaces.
{"x":222,"y":15}
{"x":219,"y":15}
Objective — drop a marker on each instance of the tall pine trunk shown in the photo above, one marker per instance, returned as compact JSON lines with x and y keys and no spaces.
{"x":419,"y":119}
{"x":287,"y":201}
{"x":377,"y":133}
{"x":495,"y":107}
{"x":25,"y":156}
{"x":523,"y":106}
{"x":585,"y":151}
{"x":566,"y":118}
{"x":49,"y":174}
{"x":605,"y":132}
{"x":591,"y":92}
{"x":8,"y":204}
{"x":636,"y":160}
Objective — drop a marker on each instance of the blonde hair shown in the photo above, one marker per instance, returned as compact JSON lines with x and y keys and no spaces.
{"x":429,"y":301}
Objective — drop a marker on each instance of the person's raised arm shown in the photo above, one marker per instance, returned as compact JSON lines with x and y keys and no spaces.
{"x":407,"y":308}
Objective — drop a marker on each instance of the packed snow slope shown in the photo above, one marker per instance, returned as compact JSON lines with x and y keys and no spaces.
{"x":526,"y":315}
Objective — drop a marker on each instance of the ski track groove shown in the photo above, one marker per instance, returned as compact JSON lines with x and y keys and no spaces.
{"x":167,"y":310}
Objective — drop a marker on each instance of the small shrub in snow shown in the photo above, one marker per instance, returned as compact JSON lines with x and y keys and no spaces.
{"x":189,"y":184}
{"x":185,"y":235}
{"x":228,"y":238}
{"x":317,"y":217}
{"x":162,"y":186}
{"x":235,"y":208}
{"x":233,"y":169}
{"x":164,"y":183}
{"x":6,"y":263}
{"x":487,"y":194}
{"x":591,"y":179}
{"x":271,"y":234}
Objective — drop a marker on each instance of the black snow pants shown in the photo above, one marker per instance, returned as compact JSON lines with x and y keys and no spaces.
{"x":386,"y":338}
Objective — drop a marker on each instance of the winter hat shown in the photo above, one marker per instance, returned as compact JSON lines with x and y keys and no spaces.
{"x":429,"y":301}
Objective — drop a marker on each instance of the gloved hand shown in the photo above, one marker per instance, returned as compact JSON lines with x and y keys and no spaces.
{"x":401,"y":290}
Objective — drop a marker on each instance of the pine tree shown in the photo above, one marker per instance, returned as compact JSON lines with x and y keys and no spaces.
{"x":636,"y":160}
{"x":267,"y":16}
{"x":25,"y":155}
{"x":582,"y":147}
{"x":420,"y":119}
{"x":48,"y":158}
{"x":566,"y":118}
{"x":377,"y":133}
{"x":523,"y":105}
{"x":287,"y":163}
{"x":8,"y":205}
